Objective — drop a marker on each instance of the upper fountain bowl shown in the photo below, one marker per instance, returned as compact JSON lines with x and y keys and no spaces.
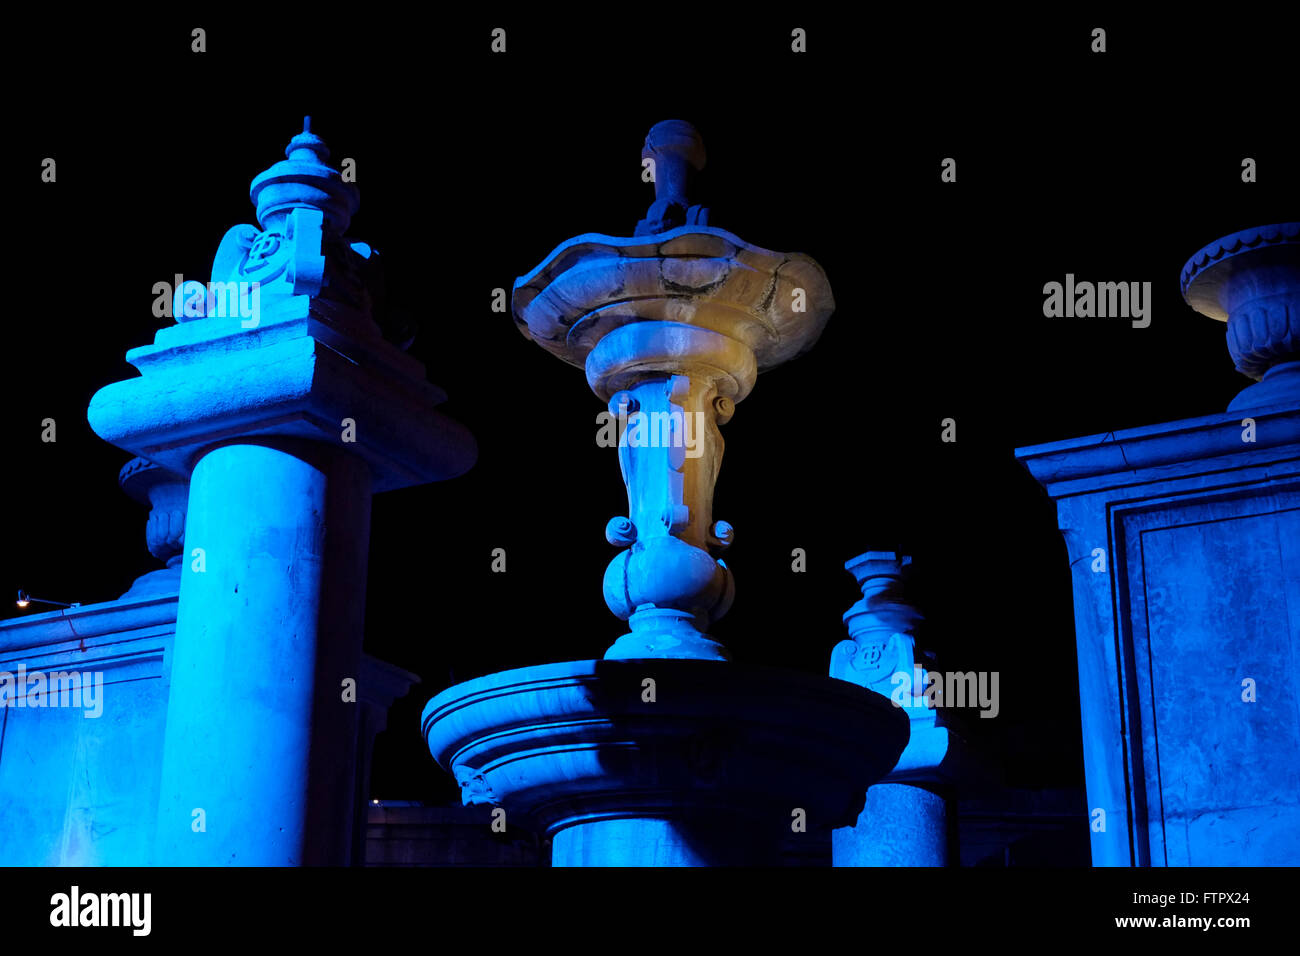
{"x":775,"y":303}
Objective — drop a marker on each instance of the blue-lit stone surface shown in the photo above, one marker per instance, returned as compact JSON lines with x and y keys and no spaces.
{"x":711,"y":771}
{"x":263,"y":435}
{"x":1184,"y":547}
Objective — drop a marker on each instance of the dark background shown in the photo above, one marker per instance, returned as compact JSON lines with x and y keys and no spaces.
{"x":473,"y":166}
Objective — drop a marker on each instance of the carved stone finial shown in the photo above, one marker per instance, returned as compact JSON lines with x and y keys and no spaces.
{"x":677,"y":152}
{"x":304,"y":207}
{"x":304,"y":180}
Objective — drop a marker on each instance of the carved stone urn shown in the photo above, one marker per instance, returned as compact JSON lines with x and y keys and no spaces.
{"x":167,"y":496}
{"x":1251,"y":281}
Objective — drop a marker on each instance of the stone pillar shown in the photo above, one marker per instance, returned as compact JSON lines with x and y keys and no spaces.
{"x":666,"y":752}
{"x":676,"y":382}
{"x":1184,"y":547}
{"x":902,"y":824}
{"x":909,"y":817}
{"x":279,"y":399}
{"x":381,"y":684}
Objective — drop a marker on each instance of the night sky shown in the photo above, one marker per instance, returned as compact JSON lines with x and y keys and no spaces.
{"x":473,"y":166}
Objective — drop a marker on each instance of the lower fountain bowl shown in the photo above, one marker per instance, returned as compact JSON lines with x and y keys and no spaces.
{"x":665,"y":761}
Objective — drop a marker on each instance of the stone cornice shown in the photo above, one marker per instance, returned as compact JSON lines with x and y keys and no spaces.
{"x":211,"y":381}
{"x":1170,"y":449}
{"x":87,"y":621}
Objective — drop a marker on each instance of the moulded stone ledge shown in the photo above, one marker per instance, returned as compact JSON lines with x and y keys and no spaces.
{"x":1134,"y":455}
{"x":88,"y":621}
{"x":279,"y":381}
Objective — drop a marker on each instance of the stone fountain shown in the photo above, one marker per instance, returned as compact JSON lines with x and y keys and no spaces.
{"x":667,"y":752}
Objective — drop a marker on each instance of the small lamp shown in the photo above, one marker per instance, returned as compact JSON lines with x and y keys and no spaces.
{"x":25,"y":599}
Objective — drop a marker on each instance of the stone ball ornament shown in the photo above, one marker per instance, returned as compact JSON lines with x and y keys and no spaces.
{"x":668,"y":752}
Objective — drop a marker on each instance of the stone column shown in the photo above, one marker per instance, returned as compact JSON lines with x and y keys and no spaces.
{"x":909,"y":816}
{"x":279,"y":399}
{"x":666,"y":752}
{"x":1184,"y":546}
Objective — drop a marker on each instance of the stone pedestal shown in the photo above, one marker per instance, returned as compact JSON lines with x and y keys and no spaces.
{"x":285,"y":417}
{"x":381,"y":684}
{"x":900,"y":825}
{"x":1184,"y":547}
{"x":908,"y":817}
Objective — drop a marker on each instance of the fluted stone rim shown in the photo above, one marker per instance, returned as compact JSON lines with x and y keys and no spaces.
{"x":1226,"y":247}
{"x":139,"y":475}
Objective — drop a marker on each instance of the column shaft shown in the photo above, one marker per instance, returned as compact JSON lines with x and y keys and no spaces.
{"x":259,"y":736}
